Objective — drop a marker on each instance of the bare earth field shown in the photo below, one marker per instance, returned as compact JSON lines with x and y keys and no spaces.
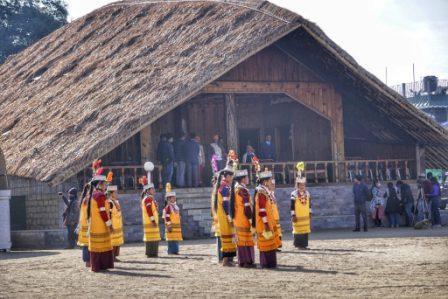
{"x":383,"y":262}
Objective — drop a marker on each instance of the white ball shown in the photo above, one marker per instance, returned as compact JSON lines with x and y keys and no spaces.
{"x":149,"y":166}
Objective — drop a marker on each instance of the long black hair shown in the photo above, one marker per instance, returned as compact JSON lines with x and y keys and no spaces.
{"x":85,"y":189}
{"x":232,"y":195}
{"x":92,"y":186}
{"x":254,"y":214}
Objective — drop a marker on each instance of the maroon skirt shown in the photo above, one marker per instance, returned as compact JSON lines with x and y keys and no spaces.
{"x":268,"y":259}
{"x":100,"y":261}
{"x":246,"y":256}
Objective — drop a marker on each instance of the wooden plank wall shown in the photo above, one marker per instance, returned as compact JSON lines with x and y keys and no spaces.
{"x":321,"y":98}
{"x":373,"y":150}
{"x":207,"y":116}
{"x":270,"y":65}
{"x":312,"y":132}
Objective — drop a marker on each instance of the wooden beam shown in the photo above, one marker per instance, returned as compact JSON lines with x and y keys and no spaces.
{"x":146,"y":144}
{"x":231,"y":122}
{"x":420,"y":159}
{"x":256,"y":87}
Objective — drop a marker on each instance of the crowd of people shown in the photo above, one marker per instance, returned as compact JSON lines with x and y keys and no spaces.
{"x":239,"y":220}
{"x":397,"y":204}
{"x":184,"y":159}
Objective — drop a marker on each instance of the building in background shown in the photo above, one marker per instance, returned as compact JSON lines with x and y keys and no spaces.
{"x":429,"y":95}
{"x":109,"y":84}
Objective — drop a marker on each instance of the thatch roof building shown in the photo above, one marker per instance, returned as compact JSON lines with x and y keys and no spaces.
{"x":86,"y":88}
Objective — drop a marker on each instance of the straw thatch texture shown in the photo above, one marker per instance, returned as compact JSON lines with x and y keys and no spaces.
{"x":87,"y":87}
{"x":84,"y":89}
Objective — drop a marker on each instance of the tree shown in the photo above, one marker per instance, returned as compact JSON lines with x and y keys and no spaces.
{"x":22,"y":22}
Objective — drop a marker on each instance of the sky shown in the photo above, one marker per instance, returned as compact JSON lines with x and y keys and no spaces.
{"x":379,"y":34}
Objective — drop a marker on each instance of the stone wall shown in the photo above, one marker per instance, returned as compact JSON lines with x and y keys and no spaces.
{"x":44,"y":208}
{"x":332,"y":209}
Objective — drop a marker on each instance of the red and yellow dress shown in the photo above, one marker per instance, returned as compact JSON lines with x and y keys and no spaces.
{"x":117,"y":224}
{"x":83,"y":238}
{"x":301,"y":209}
{"x":228,"y":246}
{"x":215,"y":226}
{"x":83,"y":228}
{"x":172,"y":218}
{"x":264,"y":216}
{"x":276,"y":215}
{"x":243,"y":226}
{"x":151,"y":231}
{"x":100,"y":244}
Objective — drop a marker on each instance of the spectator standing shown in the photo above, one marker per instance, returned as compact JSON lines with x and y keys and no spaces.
{"x":249,"y":154}
{"x":434,"y":198}
{"x":360,"y":196}
{"x":192,"y":161}
{"x":71,"y":216}
{"x":201,"y":159}
{"x":160,"y":145}
{"x":167,"y":159}
{"x":217,"y":149}
{"x":179,"y":153}
{"x":407,"y":201}
{"x":427,"y":186}
{"x":268,"y":149}
{"x":392,"y":205}
{"x":377,"y":204}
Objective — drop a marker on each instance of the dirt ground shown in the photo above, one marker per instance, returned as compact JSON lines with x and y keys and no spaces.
{"x":383,"y":262}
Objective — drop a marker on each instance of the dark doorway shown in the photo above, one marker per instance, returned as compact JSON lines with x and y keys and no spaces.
{"x":248,"y":137}
{"x":283,"y":143}
{"x":127,"y":153}
{"x":18,"y":213}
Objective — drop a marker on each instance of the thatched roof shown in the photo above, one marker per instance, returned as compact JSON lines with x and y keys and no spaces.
{"x":84,"y":89}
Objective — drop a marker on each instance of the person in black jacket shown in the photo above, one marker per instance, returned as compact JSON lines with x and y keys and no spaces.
{"x":71,"y":216}
{"x":192,"y":149}
{"x":179,"y":152}
{"x":392,"y":206}
{"x":360,"y":196}
{"x":167,"y":159}
{"x":407,"y":201}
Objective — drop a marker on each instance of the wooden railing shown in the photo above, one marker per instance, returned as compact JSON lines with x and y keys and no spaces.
{"x":125,"y":177}
{"x":340,"y":171}
{"x":317,"y":172}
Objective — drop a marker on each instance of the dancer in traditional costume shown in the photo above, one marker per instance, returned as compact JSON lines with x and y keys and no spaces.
{"x":301,"y":212}
{"x":100,"y":226}
{"x":276,"y":215}
{"x":150,"y":218}
{"x":117,"y":220}
{"x":173,"y":228}
{"x":265,"y":223}
{"x":83,"y":225}
{"x":225,"y":221}
{"x":241,"y":212}
{"x":215,"y":223}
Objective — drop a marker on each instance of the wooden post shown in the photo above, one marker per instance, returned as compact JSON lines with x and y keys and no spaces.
{"x":232,"y":128}
{"x":420,"y":159}
{"x":146,"y":144}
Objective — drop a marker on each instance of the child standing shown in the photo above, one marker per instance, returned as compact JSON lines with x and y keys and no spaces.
{"x":117,"y":220}
{"x":171,"y":214}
